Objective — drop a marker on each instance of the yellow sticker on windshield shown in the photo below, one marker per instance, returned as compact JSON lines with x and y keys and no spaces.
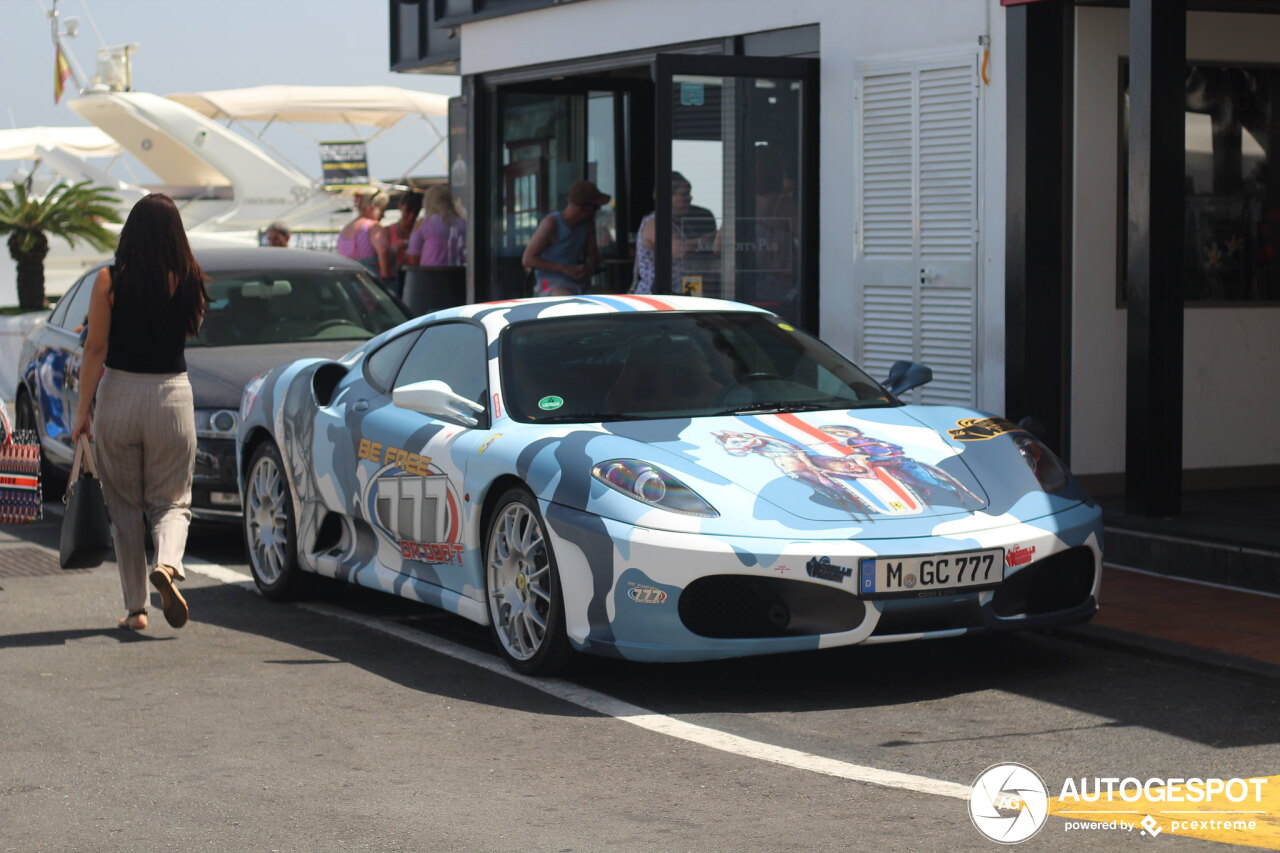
{"x":786,"y":327}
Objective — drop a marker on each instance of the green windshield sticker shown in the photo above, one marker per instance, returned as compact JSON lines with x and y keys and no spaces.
{"x":786,"y":328}
{"x":549,"y":403}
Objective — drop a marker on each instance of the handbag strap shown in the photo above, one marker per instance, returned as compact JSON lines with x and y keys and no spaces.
{"x":83,"y":457}
{"x":8,"y":427}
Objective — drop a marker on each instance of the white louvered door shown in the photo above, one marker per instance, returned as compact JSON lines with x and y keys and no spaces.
{"x":916,"y":256}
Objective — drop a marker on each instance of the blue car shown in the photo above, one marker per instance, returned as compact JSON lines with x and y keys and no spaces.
{"x":657,"y":479}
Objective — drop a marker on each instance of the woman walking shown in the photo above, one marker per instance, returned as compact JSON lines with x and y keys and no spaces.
{"x":142,"y":310}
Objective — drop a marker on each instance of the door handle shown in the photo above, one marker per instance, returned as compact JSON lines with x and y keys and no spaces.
{"x":927,"y":275}
{"x":360,"y":406}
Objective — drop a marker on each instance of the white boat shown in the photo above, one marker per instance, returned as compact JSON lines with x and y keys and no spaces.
{"x":228,"y":186}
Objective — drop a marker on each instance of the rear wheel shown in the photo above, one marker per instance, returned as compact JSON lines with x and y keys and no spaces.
{"x":522,"y":584}
{"x":52,"y":481}
{"x":270,"y":532}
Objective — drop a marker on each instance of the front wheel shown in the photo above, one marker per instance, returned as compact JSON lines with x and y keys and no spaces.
{"x":270,"y":533}
{"x":522,"y":585}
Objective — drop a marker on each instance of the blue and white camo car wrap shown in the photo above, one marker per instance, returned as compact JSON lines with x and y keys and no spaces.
{"x":831,"y":528}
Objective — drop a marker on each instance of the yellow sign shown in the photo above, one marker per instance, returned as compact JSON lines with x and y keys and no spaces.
{"x":691,"y":285}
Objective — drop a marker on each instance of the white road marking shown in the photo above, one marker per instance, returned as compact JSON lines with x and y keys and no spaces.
{"x":618,"y":709}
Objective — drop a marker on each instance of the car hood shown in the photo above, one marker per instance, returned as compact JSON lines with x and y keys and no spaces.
{"x":218,"y":374}
{"x":831,"y":466}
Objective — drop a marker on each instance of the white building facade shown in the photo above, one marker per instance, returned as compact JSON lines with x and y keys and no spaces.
{"x":874,"y":170}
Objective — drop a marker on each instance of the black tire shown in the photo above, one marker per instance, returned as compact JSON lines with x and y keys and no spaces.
{"x":522,"y":588}
{"x":53,"y":482}
{"x":270,"y":530}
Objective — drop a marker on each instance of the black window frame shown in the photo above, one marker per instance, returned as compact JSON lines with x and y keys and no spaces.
{"x":1122,"y":189}
{"x":377,"y":385}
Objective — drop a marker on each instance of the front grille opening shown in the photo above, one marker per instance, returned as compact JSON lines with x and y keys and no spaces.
{"x":1059,"y":582}
{"x":744,"y":606}
{"x":921,"y":615}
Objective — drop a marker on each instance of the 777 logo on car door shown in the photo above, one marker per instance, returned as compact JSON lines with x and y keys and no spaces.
{"x":420,"y":514}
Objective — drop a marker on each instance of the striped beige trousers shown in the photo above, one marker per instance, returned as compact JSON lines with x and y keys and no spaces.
{"x":144,"y":431}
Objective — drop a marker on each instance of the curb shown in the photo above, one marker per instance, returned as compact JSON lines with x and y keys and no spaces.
{"x":1172,"y":650}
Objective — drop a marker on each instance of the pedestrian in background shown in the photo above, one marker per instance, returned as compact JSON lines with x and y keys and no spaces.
{"x":398,"y":233}
{"x":562,"y":253}
{"x":278,"y":235}
{"x":364,"y":238}
{"x":141,"y":312}
{"x":440,"y":238}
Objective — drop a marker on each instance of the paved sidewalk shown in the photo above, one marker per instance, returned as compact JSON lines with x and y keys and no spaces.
{"x":1225,"y":628}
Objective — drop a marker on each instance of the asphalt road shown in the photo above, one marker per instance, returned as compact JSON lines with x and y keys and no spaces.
{"x":362,"y":722}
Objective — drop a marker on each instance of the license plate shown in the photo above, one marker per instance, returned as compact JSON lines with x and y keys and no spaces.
{"x":886,"y":577}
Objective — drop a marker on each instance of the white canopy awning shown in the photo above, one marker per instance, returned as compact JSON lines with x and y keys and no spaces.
{"x":374,"y":106}
{"x":21,"y":143}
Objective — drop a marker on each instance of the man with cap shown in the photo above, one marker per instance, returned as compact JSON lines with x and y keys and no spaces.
{"x":562,"y":253}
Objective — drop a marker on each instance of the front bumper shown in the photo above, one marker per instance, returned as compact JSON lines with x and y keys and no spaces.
{"x":215,"y":494}
{"x":654,"y":595}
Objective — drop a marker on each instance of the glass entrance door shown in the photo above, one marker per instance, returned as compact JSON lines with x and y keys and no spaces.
{"x":736,"y":181}
{"x":547,"y":136}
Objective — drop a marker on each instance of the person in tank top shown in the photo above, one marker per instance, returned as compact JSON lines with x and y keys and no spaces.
{"x":136,"y":403}
{"x":562,"y":254}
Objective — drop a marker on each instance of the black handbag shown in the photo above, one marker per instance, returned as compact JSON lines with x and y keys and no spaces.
{"x":86,"y":530}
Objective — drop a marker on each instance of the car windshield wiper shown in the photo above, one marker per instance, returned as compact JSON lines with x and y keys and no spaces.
{"x":589,"y":418}
{"x":783,"y":406}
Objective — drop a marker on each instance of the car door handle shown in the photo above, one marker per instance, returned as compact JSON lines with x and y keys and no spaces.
{"x":360,"y":406}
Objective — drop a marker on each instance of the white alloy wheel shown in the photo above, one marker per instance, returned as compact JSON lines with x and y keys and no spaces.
{"x":519,"y":581}
{"x":526,"y":609}
{"x":269,"y":528}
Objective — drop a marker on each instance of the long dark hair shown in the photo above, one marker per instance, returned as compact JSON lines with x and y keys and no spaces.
{"x":153,"y":246}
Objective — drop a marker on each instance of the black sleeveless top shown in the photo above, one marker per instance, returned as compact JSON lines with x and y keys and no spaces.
{"x":138,"y":346}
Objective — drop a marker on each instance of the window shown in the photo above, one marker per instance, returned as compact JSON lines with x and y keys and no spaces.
{"x":286,"y":306}
{"x":380,"y":367}
{"x":649,"y":365}
{"x":453,"y":353}
{"x":73,"y":309}
{"x":1232,"y":206}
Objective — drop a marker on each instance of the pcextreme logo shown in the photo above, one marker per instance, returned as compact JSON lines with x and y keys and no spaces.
{"x":1009,"y":803}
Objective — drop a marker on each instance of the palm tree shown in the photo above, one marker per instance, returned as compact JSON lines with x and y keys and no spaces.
{"x":70,"y":211}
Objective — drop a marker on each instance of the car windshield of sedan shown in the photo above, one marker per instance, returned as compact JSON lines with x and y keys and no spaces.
{"x":647,"y":365}
{"x":288,"y":306}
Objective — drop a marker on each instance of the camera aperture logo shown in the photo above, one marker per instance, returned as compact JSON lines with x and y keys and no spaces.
{"x":1009,"y":803}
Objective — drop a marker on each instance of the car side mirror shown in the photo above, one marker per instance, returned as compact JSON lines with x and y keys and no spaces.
{"x":436,"y":399}
{"x":905,"y":375}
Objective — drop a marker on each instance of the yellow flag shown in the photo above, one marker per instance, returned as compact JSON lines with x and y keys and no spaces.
{"x":61,"y":71}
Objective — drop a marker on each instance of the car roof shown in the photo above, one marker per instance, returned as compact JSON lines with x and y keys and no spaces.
{"x":508,"y":311}
{"x":270,"y":258}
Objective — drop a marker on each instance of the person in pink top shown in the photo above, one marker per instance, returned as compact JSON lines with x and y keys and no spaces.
{"x":440,"y":238}
{"x":364,"y":239}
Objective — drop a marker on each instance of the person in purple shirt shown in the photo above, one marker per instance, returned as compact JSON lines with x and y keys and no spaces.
{"x":440,"y":238}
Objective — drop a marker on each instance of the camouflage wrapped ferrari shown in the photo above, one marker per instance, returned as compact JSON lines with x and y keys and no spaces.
{"x":656,"y":479}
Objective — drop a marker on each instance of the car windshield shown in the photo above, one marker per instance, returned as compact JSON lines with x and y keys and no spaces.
{"x":287,"y":306}
{"x":674,"y":365}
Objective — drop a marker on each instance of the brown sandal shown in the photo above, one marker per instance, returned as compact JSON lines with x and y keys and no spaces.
{"x":135,"y":620}
{"x":171,"y":601}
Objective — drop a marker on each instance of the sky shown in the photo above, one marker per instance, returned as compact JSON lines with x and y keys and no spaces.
{"x":199,"y":45}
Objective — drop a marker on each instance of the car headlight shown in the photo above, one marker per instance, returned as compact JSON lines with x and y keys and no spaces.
{"x":651,"y":485}
{"x":1042,"y":461}
{"x":216,"y":423}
